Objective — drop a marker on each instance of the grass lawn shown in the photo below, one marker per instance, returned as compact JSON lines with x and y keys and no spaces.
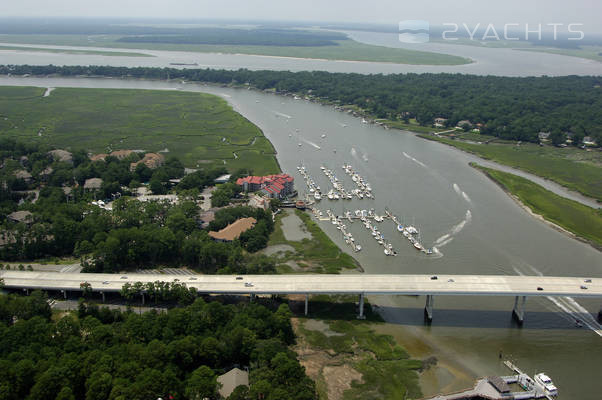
{"x":349,"y":50}
{"x":575,"y":169}
{"x":318,"y":254}
{"x":71,"y":51}
{"x":200,"y":129}
{"x":386,"y":370}
{"x":582,"y":220}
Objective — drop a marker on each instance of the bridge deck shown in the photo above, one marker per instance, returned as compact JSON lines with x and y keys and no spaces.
{"x":490,"y":285}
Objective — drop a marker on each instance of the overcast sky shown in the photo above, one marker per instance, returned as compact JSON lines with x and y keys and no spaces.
{"x":497,"y":12}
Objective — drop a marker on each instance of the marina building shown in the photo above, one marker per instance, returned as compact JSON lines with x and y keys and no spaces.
{"x":273,"y":186}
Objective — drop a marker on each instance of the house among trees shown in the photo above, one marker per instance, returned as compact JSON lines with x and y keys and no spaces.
{"x":543,"y":135}
{"x":61,"y":155}
{"x":98,"y":157}
{"x":22,"y":174}
{"x":25,"y":217}
{"x":231,"y":380}
{"x":93,"y":184}
{"x":589,"y":141}
{"x":151,"y":160}
{"x":463,"y":123}
{"x":273,"y":186}
{"x":121,"y":154}
{"x":440,"y":122}
{"x":234,"y":230}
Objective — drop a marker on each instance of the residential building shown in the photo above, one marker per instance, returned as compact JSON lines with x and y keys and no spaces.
{"x":231,"y":380}
{"x":273,"y":186}
{"x":151,"y":160}
{"x":234,"y":230}
{"x":20,"y":216}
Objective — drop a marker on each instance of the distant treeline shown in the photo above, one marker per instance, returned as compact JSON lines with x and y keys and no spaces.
{"x":507,"y":107}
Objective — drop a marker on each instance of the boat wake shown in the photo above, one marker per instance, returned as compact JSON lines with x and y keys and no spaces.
{"x":573,"y":311}
{"x":449,"y":237}
{"x":311,"y":144}
{"x":409,"y":157}
{"x":354,"y":153}
{"x":279,"y":114}
{"x":365,"y":157}
{"x":457,"y":228}
{"x":461,"y":193}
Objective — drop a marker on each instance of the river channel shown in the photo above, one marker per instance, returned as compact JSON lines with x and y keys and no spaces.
{"x":475,"y":226}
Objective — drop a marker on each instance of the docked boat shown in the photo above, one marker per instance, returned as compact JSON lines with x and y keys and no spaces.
{"x":546,"y":384}
{"x":400,"y":228}
{"x":317,"y":196}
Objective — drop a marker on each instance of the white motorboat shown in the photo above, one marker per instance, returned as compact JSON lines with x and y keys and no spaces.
{"x":546,"y":384}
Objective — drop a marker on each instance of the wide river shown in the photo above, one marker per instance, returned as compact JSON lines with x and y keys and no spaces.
{"x":486,"y":61}
{"x":476,"y":228}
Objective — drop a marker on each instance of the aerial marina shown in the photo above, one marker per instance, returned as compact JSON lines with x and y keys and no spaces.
{"x":368,"y":218}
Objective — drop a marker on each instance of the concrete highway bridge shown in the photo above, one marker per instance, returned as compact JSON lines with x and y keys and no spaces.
{"x":519,"y":287}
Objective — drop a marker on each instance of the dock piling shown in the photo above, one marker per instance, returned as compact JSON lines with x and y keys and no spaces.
{"x":361,"y":308}
{"x":519,"y":309}
{"x":428,"y":308}
{"x":306,"y":304}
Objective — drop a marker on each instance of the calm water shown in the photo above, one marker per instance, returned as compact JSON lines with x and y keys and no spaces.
{"x":477,"y":228}
{"x":487,"y":61}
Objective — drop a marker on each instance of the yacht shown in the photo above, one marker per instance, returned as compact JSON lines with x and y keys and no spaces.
{"x":323,"y":136}
{"x":545,"y":383}
{"x":317,"y":196}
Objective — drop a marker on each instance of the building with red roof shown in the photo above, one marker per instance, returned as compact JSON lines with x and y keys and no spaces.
{"x":274,"y":186}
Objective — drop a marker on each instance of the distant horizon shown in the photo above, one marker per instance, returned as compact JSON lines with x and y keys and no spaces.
{"x":258,"y":21}
{"x":376,"y":12}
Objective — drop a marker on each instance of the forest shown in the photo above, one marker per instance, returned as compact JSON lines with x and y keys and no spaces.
{"x":67,"y":223}
{"x":100,"y":354}
{"x":507,"y":107}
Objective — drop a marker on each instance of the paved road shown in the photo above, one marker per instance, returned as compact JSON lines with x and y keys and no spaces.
{"x":491,"y":285}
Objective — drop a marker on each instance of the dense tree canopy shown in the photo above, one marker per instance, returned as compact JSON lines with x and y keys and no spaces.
{"x":508,"y":107}
{"x":107,"y":354}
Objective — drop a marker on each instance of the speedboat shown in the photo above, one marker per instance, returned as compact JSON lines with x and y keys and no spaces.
{"x":317,"y":196}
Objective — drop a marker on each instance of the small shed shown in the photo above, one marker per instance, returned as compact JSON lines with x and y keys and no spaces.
{"x":231,"y":380}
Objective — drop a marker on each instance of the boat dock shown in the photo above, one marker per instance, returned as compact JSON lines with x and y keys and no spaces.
{"x":497,"y":388}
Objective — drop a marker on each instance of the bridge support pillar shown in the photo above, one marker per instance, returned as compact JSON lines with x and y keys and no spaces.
{"x":142,"y":294}
{"x":103,"y":296}
{"x":252,"y":297}
{"x":428,"y":308}
{"x":600,"y":314}
{"x":518,"y":312}
{"x":26,"y":291}
{"x":306,"y":304}
{"x":64,"y":294}
{"x":361,"y":307}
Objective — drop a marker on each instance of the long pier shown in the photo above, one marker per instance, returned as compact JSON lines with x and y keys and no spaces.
{"x":520,"y":287}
